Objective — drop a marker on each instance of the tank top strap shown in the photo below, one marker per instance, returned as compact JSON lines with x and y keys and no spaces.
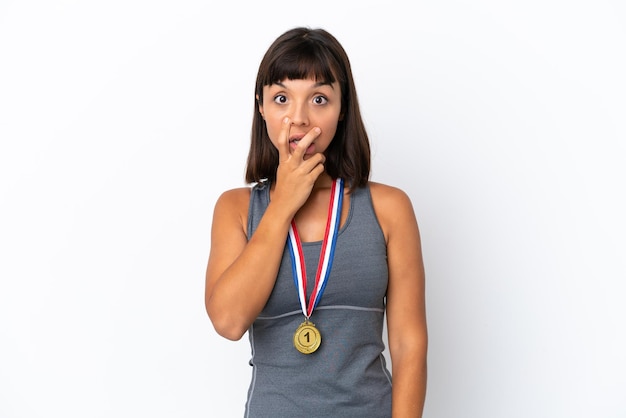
{"x":259,"y":200}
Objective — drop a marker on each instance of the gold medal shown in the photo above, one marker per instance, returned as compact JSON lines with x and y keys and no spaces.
{"x":307,"y":338}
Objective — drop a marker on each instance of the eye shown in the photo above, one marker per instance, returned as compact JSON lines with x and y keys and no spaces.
{"x":320,"y":100}
{"x":280,"y":99}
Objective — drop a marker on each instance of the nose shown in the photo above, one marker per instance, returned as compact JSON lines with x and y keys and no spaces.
{"x":299,"y":115}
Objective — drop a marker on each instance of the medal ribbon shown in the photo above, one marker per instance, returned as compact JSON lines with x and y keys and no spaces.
{"x":326,"y":254}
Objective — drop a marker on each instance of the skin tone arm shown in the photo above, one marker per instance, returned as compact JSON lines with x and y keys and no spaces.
{"x":406,"y":313}
{"x":240,"y":273}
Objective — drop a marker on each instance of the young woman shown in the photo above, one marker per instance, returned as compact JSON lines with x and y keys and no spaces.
{"x":310,"y":257}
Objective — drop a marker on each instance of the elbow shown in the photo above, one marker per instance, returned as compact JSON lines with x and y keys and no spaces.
{"x":225,"y":325}
{"x":229,"y":332}
{"x":414,"y":348}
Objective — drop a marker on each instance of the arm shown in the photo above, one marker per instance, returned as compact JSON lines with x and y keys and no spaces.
{"x":406,"y":312}
{"x":241,"y":273}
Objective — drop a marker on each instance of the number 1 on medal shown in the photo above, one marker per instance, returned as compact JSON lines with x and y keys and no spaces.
{"x":307,"y":338}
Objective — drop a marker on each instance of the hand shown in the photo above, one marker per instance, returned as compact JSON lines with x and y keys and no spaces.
{"x":296,"y":176}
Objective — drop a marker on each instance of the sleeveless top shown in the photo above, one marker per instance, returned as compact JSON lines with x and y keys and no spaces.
{"x":347,"y":376}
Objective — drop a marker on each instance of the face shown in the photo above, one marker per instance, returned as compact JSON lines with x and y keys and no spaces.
{"x":308,"y":104}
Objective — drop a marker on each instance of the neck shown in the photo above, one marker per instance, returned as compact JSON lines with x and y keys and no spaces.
{"x":323,"y":181}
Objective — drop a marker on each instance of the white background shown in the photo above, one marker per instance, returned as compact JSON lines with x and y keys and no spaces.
{"x":121,"y":122}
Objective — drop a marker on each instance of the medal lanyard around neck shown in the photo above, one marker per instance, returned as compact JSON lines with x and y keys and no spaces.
{"x":326,"y":254}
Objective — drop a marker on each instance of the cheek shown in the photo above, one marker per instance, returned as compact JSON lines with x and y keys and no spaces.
{"x":329,"y":129}
{"x":273,"y":129}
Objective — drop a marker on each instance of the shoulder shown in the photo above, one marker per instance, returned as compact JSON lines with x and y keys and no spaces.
{"x":387,"y":197}
{"x":392,"y":206}
{"x":234,"y":198}
{"x":233,"y":205}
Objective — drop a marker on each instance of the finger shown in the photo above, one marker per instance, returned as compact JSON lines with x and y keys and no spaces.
{"x":305,"y":142}
{"x":283,"y":140}
{"x":315,"y":166}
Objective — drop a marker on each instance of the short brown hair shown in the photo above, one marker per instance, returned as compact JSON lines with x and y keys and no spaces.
{"x":302,"y":53}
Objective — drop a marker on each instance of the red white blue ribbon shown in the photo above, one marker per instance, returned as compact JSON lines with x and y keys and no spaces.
{"x":326,"y":254}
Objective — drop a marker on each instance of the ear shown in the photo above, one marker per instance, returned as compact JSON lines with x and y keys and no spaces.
{"x":260,"y":106}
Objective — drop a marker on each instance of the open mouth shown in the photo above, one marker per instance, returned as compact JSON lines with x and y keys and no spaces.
{"x":295,"y":139}
{"x":293,"y":143}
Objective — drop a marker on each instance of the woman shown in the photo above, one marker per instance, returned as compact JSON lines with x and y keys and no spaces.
{"x":310,"y":257}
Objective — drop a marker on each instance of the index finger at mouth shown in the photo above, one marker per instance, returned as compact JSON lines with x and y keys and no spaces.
{"x":306,"y":140}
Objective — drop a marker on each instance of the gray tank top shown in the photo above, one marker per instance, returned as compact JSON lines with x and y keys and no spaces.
{"x":347,"y":376}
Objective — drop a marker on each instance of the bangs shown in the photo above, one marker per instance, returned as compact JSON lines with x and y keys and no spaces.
{"x":301,"y":62}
